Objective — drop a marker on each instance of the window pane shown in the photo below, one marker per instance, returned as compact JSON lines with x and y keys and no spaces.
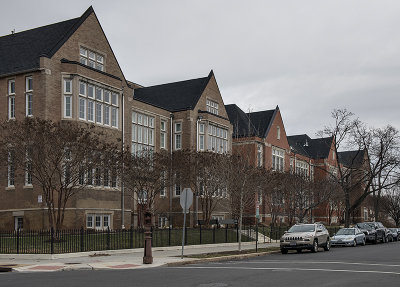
{"x":106,"y":115}
{"x":82,"y":88}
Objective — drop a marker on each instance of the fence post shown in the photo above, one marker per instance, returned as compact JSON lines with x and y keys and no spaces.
{"x":108,"y":238}
{"x":169,"y":235}
{"x":186,"y":239}
{"x":131,"y":237}
{"x":52,"y":241}
{"x":226,"y":233}
{"x":214,"y":234}
{"x":200,"y":233}
{"x":264,"y":232}
{"x":18,"y":240}
{"x":82,"y":245}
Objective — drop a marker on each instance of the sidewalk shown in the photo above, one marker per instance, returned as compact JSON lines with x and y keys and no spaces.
{"x":119,"y":259}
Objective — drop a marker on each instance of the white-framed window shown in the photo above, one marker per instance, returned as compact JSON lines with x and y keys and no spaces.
{"x":82,"y":108}
{"x":98,"y":221}
{"x":67,"y":86}
{"x":90,"y":111}
{"x":19,"y":222}
{"x":162,"y":222}
{"x":201,"y":136}
{"x":177,"y":189}
{"x":90,"y":91}
{"x":260,"y":158}
{"x":212,"y":107}
{"x":29,"y":104}
{"x":91,"y":59}
{"x":29,"y":96}
{"x":142,"y":133}
{"x":278,"y":159}
{"x":163,"y":134}
{"x":178,"y":135}
{"x":217,"y":139}
{"x":11,"y":170}
{"x":114,"y":117}
{"x":302,"y":168}
{"x":82,"y":88}
{"x":11,"y":107}
{"x":67,"y":106}
{"x":106,"y":178}
{"x":278,"y":132}
{"x":106,"y":112}
{"x":28,"y":84}
{"x":11,"y":87}
{"x":99,"y":112}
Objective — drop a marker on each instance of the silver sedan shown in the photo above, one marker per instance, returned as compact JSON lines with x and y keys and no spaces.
{"x":348,"y":237}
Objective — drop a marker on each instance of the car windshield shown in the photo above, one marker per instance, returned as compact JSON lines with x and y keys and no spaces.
{"x":393,"y":229}
{"x":302,"y":228}
{"x":364,"y":226}
{"x":346,"y":231}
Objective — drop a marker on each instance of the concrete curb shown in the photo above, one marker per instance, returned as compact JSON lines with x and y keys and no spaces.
{"x":220,"y":258}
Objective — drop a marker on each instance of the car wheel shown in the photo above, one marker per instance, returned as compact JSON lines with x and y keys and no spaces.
{"x":314,"y":248}
{"x":327,"y":247}
{"x":375,"y":241}
{"x":384,"y":239}
{"x":363,"y":243}
{"x":284,"y":251}
{"x":299,"y":250}
{"x":354,"y":243}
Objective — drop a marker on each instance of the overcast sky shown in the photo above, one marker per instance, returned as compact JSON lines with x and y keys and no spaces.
{"x":307,"y":57}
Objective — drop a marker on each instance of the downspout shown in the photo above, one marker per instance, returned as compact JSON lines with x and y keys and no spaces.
{"x":123,"y":166}
{"x":171,"y":117}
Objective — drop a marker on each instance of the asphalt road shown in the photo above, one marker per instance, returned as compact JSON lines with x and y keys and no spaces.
{"x":371,"y":265}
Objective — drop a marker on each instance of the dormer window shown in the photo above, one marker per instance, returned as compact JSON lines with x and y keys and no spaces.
{"x":91,"y":59}
{"x":212,"y":107}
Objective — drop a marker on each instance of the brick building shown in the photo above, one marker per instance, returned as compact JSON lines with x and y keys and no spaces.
{"x":68,"y":72}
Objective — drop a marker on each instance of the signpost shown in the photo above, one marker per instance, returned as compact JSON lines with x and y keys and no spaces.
{"x":186,"y":201}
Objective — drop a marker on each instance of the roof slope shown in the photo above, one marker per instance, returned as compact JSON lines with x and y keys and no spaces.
{"x":353,"y":158}
{"x":249,"y":124}
{"x":314,"y":148}
{"x":174,"y":97}
{"x":22,"y":51}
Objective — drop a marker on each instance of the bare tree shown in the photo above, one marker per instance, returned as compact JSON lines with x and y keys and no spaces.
{"x":370,"y":167}
{"x":63,"y":158}
{"x":203,"y":172}
{"x":391,"y":204}
{"x":145,"y":174}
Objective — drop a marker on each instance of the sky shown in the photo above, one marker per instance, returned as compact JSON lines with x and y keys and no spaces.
{"x":307,"y":57}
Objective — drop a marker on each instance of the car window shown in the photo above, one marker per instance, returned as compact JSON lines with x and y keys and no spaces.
{"x":302,"y":228}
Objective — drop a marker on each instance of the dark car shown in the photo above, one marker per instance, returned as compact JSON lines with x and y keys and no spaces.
{"x":395,"y":233}
{"x":381,"y":231}
{"x":369,"y":231}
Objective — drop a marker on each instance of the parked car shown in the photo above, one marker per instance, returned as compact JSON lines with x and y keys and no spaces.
{"x":348,"y":237}
{"x":395,"y":233}
{"x":369,"y":231}
{"x":381,"y":231}
{"x":305,"y":236}
{"x":389,"y":235}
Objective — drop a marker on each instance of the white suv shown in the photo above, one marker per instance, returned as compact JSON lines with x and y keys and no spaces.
{"x":305,"y":236}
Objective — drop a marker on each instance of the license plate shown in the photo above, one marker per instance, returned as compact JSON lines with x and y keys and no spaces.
{"x":292,"y":243}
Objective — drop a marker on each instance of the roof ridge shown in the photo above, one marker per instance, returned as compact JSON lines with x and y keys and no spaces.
{"x":68,"y":33}
{"x":165,"y":84}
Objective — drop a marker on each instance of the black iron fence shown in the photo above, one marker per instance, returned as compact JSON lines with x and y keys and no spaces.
{"x":81,"y":240}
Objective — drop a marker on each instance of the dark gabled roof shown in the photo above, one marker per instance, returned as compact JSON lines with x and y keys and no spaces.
{"x":313,"y":148}
{"x":250,"y":124}
{"x":174,"y":97}
{"x":351,"y":159}
{"x":21,"y":51}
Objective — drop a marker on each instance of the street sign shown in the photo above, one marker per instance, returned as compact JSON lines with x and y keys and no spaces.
{"x":186,"y":199}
